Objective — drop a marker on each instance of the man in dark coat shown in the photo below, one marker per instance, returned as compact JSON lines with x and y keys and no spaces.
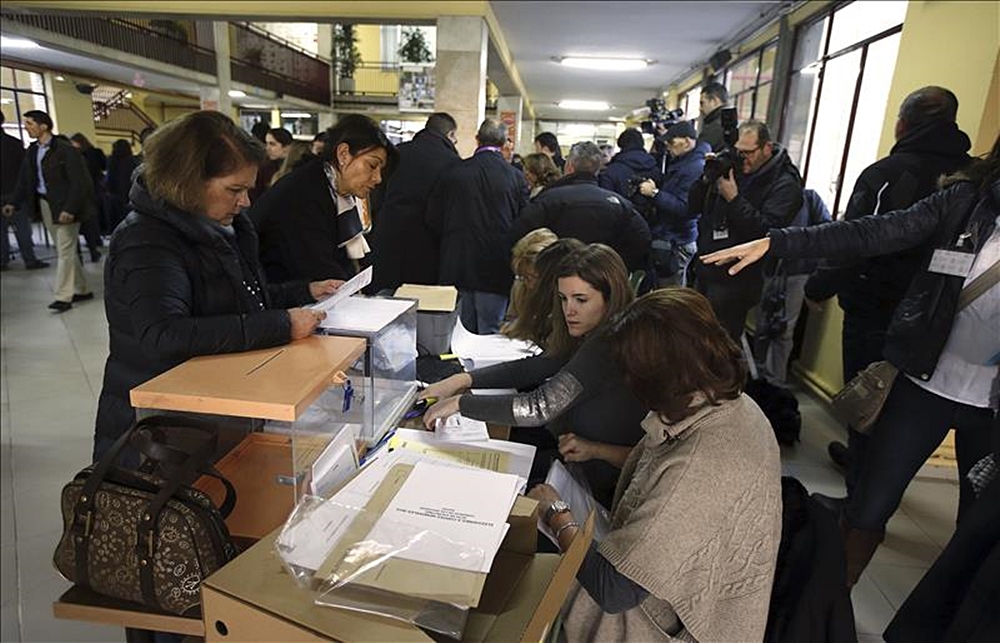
{"x":766,"y":193}
{"x":471,"y":209}
{"x":53,"y":184}
{"x":713,"y":98}
{"x":928,"y":145}
{"x":574,"y":206}
{"x":404,"y":248}
{"x":632,"y":162}
{"x":12,"y":156}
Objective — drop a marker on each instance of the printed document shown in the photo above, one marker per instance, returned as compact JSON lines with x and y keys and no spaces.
{"x":456,"y":428}
{"x":348,"y":288}
{"x":579,"y":499}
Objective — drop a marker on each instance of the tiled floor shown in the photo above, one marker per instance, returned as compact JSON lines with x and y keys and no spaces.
{"x":50,"y":377}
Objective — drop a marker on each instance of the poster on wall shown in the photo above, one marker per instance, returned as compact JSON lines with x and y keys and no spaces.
{"x":416,"y":88}
{"x":510,"y":120}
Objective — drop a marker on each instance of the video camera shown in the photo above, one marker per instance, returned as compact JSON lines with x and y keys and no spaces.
{"x":660,"y":116}
{"x":727,"y":159}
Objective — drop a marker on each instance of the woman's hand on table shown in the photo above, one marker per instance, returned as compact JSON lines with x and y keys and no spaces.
{"x":304,"y":321}
{"x":449,"y":386}
{"x":545,"y":495}
{"x":440,"y":410}
{"x":323,"y":289}
{"x":576,"y":449}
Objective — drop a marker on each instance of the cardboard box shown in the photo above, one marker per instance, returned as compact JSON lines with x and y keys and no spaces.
{"x":273,"y":384}
{"x":253,"y":599}
{"x":436,"y":315}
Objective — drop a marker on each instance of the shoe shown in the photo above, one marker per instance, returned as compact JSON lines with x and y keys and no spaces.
{"x":60,"y":306}
{"x":836,"y":505}
{"x":839,"y":454}
{"x":84,"y":297}
{"x":35,"y":265}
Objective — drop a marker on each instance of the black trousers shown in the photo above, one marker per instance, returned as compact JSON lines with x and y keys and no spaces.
{"x":731,"y":299}
{"x":912,"y":425}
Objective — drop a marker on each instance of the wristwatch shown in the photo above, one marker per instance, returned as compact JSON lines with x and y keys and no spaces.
{"x":557,"y":507}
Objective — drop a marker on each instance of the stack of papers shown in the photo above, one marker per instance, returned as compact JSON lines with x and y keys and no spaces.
{"x":344,"y":312}
{"x":496,"y":455}
{"x":479,"y":351}
{"x":579,"y":498}
{"x":457,"y":428}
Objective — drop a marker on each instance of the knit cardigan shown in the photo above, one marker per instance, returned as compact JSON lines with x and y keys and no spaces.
{"x":697,"y":523}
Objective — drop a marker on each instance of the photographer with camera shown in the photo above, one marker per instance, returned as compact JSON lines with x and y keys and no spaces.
{"x":744,"y":191}
{"x":629,"y":167}
{"x":674,"y":226}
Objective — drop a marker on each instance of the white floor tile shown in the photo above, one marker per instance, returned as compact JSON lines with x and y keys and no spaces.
{"x":8,"y":580}
{"x":872,"y":612}
{"x":906,"y":544}
{"x":10,"y":623}
{"x":895,"y":581}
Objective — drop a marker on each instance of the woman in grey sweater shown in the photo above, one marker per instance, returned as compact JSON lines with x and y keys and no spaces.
{"x":575,"y":390}
{"x":696,"y":520}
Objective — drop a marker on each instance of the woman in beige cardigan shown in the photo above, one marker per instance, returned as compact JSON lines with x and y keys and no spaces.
{"x":696,"y":519}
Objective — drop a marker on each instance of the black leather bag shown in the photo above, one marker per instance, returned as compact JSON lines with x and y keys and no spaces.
{"x":145,"y":535}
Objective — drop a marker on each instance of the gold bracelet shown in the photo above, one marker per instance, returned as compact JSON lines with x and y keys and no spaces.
{"x":571,"y":523}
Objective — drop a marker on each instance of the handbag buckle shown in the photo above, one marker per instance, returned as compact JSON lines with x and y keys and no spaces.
{"x":149,"y":544}
{"x":87,"y":521}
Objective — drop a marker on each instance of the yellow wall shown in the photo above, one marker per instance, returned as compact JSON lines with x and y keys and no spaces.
{"x":369,"y":38}
{"x":952,"y":44}
{"x":72,"y":111}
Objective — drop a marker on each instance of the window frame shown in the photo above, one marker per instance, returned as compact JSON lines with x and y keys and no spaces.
{"x":17,"y":92}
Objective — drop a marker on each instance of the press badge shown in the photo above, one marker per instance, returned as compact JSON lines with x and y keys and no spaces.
{"x":951,"y":262}
{"x":720,"y":234}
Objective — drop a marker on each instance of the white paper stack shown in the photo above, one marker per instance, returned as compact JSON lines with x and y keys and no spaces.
{"x":479,"y":351}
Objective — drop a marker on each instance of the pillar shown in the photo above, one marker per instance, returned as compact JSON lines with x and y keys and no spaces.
{"x":223,"y":72}
{"x":509,"y":110}
{"x":460,"y":75}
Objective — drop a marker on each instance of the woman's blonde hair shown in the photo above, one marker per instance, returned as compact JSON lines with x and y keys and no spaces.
{"x":522,"y":262}
{"x":180,"y":157}
{"x":604,"y":270}
{"x":297,"y":150}
{"x":534,"y":320}
{"x":542,"y":168}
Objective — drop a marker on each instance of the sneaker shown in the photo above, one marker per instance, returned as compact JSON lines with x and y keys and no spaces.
{"x":839,"y":454}
{"x":35,"y":265}
{"x":84,"y":297}
{"x":60,"y":306}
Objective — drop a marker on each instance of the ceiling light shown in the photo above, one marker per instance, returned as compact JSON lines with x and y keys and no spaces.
{"x":237,"y":93}
{"x":296,"y":115}
{"x":589,"y":105}
{"x":17,"y":43}
{"x":60,"y":78}
{"x":605,"y":64}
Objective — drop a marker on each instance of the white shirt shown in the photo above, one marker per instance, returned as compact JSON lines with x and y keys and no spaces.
{"x":967,"y":366}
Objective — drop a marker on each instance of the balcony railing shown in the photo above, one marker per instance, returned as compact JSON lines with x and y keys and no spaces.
{"x":370,"y":79}
{"x":257,"y":56}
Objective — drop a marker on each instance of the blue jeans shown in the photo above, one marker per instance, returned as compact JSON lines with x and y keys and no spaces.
{"x":481,"y":312}
{"x":913,"y":423}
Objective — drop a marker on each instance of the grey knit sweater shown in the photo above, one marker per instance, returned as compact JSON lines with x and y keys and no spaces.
{"x":697,"y":523}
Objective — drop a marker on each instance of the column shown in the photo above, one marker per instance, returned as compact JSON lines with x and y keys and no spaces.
{"x":460,"y":75}
{"x":223,"y":72}
{"x":509,"y":110}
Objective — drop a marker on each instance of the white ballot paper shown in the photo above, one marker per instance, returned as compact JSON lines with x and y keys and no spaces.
{"x":336,"y":464}
{"x":463,"y":512}
{"x":364,"y":314}
{"x":486,"y":350}
{"x":456,"y":428}
{"x":348,"y":288}
{"x":579,"y":499}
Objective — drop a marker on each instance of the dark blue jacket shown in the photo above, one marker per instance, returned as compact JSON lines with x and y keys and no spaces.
{"x":625,"y":165}
{"x":812,"y":212}
{"x":674,"y":222}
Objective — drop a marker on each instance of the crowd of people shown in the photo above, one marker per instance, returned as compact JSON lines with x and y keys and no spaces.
{"x":617,"y":267}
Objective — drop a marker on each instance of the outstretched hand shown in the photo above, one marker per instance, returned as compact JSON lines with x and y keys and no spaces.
{"x":744,"y":254}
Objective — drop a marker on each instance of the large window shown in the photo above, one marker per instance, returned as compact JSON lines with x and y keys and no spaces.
{"x":20,"y":91}
{"x":749,"y":82}
{"x":841,"y":72}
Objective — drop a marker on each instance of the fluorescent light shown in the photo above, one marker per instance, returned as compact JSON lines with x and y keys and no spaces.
{"x":605,"y":64}
{"x":17,"y":43}
{"x":256,"y":106}
{"x":296,"y":115}
{"x":589,"y":105}
{"x":60,"y":78}
{"x":237,"y":93}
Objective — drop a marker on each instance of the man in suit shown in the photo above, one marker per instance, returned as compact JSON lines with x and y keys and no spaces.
{"x":471,"y":210}
{"x":54,"y":183}
{"x":12,"y":156}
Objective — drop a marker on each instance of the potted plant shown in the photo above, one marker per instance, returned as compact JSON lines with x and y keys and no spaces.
{"x":346,"y":56}
{"x":414,"y":48}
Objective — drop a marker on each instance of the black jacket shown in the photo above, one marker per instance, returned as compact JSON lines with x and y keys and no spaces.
{"x":768,"y":198}
{"x":175,"y":288}
{"x":471,"y":210}
{"x":626,"y":165}
{"x":711,"y":130}
{"x":11,"y":157}
{"x":922,"y":322}
{"x":874,"y":287}
{"x":67,"y":183}
{"x":575,"y":207}
{"x":296,"y":219}
{"x":404,"y":248}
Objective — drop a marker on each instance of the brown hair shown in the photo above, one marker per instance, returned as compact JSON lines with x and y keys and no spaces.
{"x":604,"y":270}
{"x":670,"y":346}
{"x":299,"y":152}
{"x":522,"y":260}
{"x":534,"y":320}
{"x":181,"y":156}
{"x":542,"y":168}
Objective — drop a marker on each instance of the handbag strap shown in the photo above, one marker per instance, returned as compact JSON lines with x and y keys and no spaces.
{"x":978,"y":286}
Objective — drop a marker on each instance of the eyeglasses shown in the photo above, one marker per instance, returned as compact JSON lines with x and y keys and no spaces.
{"x":747,"y":153}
